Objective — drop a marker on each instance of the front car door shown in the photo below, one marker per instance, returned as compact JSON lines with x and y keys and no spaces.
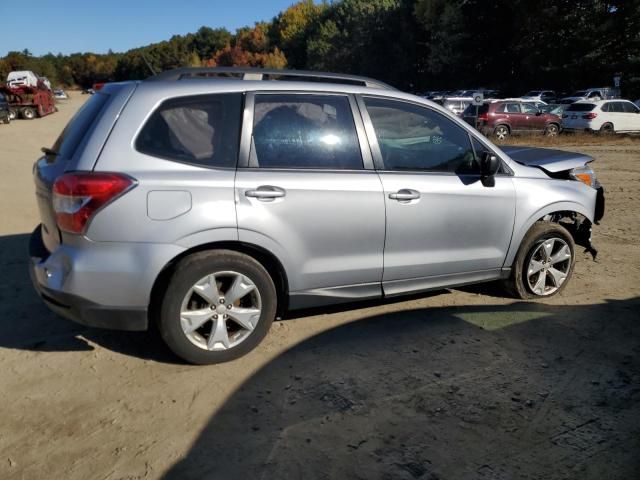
{"x":532,"y":120}
{"x":631,"y":116}
{"x":445,"y":225}
{"x":306,"y":190}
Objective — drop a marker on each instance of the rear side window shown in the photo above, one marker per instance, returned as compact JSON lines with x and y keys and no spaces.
{"x":77,"y":128}
{"x":508,"y":108}
{"x":304,"y":131}
{"x":202,"y":130}
{"x":581,"y":107}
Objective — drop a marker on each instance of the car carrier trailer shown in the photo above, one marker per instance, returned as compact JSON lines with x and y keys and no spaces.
{"x":29,"y":102}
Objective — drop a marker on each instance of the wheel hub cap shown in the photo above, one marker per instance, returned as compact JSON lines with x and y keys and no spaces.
{"x":220,"y":311}
{"x":549,"y":266}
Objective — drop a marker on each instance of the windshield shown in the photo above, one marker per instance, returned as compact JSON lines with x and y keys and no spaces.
{"x":579,"y":93}
{"x":533,"y":93}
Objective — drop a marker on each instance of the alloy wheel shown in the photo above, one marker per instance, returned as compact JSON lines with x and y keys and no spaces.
{"x":220,"y":310}
{"x":549,"y":266}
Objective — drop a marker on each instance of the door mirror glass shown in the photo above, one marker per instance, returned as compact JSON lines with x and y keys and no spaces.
{"x":489,"y":164}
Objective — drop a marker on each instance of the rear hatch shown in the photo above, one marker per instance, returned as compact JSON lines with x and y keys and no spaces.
{"x":576,"y":115}
{"x":77,"y":148}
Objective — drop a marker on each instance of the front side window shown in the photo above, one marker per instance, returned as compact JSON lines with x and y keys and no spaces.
{"x":202,"y":130}
{"x":412,"y":137}
{"x":629,"y":107}
{"x":304,"y":131}
{"x":529,"y":108}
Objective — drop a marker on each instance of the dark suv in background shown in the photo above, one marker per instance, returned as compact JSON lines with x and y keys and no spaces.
{"x":4,"y":109}
{"x":504,"y":118}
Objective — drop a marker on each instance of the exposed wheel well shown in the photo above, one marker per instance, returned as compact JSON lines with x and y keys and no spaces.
{"x":508,"y":127}
{"x":577,"y":224}
{"x":264,"y":257}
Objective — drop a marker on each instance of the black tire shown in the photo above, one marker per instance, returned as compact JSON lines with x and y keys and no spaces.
{"x":607,"y":129}
{"x":6,"y":120}
{"x":28,"y":113}
{"x":13,"y":114}
{"x":517,"y":284}
{"x":501,"y":132}
{"x":552,"y":130}
{"x":187,"y":273}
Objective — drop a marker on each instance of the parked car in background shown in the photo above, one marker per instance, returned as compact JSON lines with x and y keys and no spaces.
{"x":209,"y":207}
{"x":604,"y":116}
{"x":60,"y":94}
{"x":547,"y":96}
{"x":502,"y":118}
{"x":593,"y":94}
{"x":5,"y":115}
{"x":457,"y":105}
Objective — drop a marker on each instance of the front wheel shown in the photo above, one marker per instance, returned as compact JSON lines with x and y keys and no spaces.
{"x":217,"y":307}
{"x":552,"y":130}
{"x":544,"y":262}
{"x":13,"y":114}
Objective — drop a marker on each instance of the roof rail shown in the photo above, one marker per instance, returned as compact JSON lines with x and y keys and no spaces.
{"x":246,"y":73}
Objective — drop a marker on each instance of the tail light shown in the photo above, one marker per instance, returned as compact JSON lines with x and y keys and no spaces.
{"x":483,"y":117}
{"x":590,"y":116}
{"x":78,"y":196}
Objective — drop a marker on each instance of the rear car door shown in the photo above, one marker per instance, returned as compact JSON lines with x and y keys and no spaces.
{"x":307,"y":191}
{"x":444,"y":224}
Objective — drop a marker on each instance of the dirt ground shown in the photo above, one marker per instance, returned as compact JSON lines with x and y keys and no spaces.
{"x":458,"y":384}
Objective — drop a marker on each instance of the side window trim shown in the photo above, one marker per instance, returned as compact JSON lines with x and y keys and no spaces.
{"x":244,"y":160}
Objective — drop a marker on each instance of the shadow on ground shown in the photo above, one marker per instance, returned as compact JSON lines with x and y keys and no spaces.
{"x":501,"y":392}
{"x":27,"y":324}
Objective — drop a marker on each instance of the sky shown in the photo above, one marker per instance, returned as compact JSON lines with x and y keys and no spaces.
{"x":70,"y":26}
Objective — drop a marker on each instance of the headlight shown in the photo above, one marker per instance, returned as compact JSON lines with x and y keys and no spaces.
{"x":585,"y":175}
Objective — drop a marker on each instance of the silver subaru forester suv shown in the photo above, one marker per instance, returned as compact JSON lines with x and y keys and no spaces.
{"x":210,"y":201}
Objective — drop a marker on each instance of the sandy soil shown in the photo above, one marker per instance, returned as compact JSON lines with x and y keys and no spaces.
{"x":460,"y":384}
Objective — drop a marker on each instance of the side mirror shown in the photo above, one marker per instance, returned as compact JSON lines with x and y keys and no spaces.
{"x":489,"y":164}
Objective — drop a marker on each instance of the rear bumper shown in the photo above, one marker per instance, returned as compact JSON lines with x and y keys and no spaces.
{"x":93,"y":285}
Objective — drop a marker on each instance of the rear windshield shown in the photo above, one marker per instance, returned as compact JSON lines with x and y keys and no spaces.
{"x":76,"y":129}
{"x":580,"y":107}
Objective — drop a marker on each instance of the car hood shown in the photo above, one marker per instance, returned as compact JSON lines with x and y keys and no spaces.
{"x":546,"y":158}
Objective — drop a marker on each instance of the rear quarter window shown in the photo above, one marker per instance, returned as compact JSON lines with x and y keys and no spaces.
{"x":80,"y":124}
{"x":202,"y":130}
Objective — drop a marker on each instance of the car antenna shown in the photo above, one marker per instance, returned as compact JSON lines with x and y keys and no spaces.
{"x":153,"y":71}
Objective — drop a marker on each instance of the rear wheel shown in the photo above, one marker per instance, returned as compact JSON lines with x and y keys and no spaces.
{"x":28,"y":113}
{"x":501,"y":132}
{"x":544,"y":262}
{"x":607,"y":129}
{"x":552,"y":130}
{"x":217,"y":307}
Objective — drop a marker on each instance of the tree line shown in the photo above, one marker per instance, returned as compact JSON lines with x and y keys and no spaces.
{"x":415,"y":45}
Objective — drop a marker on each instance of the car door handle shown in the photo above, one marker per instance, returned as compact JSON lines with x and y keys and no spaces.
{"x":265,"y":192}
{"x":404,"y":195}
